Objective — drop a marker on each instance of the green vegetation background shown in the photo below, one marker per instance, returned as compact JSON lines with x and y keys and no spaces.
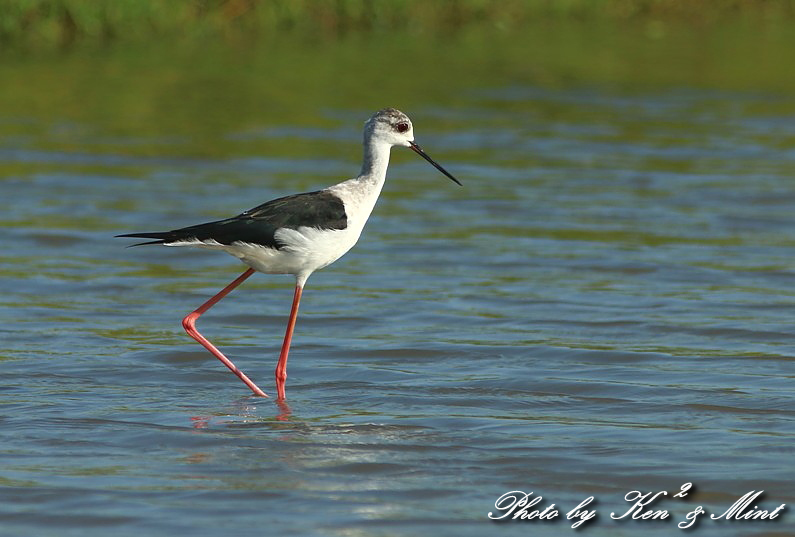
{"x":168,"y":76}
{"x":38,"y":22}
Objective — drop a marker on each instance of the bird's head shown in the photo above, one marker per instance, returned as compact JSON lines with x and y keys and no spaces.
{"x":390,"y":126}
{"x":393,"y":127}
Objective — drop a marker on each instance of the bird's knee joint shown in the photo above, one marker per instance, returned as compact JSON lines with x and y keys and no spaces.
{"x":189,"y":322}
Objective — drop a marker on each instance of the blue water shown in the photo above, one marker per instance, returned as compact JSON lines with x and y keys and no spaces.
{"x":604,"y":307}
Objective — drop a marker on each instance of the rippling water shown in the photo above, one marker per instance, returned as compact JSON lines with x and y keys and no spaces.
{"x":604,"y":307}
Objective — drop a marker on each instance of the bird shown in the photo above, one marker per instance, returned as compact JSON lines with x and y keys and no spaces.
{"x":297,"y":234}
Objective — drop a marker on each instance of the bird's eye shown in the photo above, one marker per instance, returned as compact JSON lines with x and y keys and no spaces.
{"x":402,"y":127}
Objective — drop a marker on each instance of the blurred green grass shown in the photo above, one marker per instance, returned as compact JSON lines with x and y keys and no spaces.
{"x":36,"y":23}
{"x":210,"y":78}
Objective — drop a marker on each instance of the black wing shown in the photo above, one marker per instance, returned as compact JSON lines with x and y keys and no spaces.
{"x":320,"y":209}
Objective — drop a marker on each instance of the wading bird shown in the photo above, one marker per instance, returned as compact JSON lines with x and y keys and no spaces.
{"x":297,"y":234}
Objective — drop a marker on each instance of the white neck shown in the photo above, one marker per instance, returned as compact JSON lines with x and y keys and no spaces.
{"x":361,"y":193}
{"x":375,"y":162}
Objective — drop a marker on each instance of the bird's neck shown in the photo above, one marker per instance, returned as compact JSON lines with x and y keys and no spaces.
{"x":361,"y":193}
{"x":375,"y":162}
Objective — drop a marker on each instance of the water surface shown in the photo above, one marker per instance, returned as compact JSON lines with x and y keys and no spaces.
{"x":604,"y":307}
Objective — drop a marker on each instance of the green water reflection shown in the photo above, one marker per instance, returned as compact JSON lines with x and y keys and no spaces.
{"x":145,"y":99}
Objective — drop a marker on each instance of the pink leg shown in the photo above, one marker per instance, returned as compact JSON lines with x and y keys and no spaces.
{"x":281,"y":366}
{"x":189,"y":323}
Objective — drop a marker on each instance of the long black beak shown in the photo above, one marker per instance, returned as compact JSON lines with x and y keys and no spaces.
{"x":424,"y":155}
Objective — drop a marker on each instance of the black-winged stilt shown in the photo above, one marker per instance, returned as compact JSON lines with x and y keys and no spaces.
{"x":297,"y":234}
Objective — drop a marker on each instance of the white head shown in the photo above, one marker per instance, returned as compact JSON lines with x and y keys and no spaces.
{"x":393,"y":127}
{"x":390,"y":126}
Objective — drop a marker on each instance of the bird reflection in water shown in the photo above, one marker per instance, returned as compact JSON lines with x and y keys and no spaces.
{"x":246,"y":414}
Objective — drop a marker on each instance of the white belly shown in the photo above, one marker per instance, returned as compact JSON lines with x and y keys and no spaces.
{"x":304,"y":250}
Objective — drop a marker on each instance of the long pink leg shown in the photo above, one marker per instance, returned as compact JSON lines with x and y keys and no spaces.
{"x":189,"y":323}
{"x":281,"y":366}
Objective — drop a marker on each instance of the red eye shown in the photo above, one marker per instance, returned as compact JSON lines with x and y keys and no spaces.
{"x":402,"y":127}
